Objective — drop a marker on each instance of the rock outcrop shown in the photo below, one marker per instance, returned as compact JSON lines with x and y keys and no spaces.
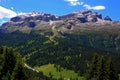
{"x":33,"y":19}
{"x":107,"y":18}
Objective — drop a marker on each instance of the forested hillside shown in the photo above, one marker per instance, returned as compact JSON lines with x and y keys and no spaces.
{"x":38,"y":50}
{"x":77,"y":46}
{"x":12,"y":67}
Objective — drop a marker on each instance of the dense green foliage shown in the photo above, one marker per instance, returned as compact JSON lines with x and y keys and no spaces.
{"x":11,"y":67}
{"x":71,"y":51}
{"x":101,"y":69}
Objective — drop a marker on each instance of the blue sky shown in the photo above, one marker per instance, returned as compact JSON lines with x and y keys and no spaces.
{"x":11,"y":8}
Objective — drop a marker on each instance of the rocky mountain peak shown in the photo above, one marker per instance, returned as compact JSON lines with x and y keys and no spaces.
{"x":34,"y":16}
{"x":107,"y":18}
{"x":82,"y":12}
{"x":32,"y":19}
{"x":83,"y":16}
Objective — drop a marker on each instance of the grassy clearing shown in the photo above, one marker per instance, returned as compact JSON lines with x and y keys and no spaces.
{"x":52,"y":38}
{"x":49,"y":69}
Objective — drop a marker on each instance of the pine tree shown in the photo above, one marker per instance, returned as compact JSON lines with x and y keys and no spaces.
{"x":92,"y":68}
{"x":110,"y":71}
{"x":19,"y":72}
{"x":9,"y":61}
{"x":100,"y":69}
{"x":1,"y":61}
{"x":11,"y":67}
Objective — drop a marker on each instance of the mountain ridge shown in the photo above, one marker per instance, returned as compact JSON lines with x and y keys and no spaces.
{"x":29,"y":21}
{"x":67,"y":40}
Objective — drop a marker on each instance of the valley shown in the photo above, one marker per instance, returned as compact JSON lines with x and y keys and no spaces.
{"x":63,"y":47}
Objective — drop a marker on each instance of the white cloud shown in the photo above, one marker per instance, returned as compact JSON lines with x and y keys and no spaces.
{"x":6,"y":13}
{"x":74,"y":2}
{"x":87,"y":6}
{"x":99,"y":7}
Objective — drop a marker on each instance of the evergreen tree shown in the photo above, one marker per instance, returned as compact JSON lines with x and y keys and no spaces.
{"x":19,"y":72}
{"x":99,"y":69}
{"x":110,"y":71}
{"x":1,"y":61}
{"x":93,"y":68}
{"x":11,"y":67}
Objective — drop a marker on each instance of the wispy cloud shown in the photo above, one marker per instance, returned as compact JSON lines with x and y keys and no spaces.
{"x":6,"y":13}
{"x":74,"y":2}
{"x":99,"y":7}
{"x":83,"y":4}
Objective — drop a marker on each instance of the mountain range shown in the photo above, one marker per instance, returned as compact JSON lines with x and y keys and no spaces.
{"x":91,"y":27}
{"x":33,"y":20}
{"x":62,"y":42}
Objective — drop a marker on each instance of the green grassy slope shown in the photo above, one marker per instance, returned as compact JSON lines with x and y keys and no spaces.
{"x":50,"y":69}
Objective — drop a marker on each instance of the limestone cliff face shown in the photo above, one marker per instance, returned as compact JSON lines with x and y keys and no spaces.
{"x":31,"y":20}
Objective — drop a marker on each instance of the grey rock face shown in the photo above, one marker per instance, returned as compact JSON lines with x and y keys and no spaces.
{"x":34,"y":16}
{"x":33,"y":19}
{"x":16,"y":19}
{"x":107,"y":18}
{"x":31,"y":24}
{"x":83,"y":16}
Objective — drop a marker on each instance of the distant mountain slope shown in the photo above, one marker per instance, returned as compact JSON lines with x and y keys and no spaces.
{"x":35,"y":20}
{"x":85,"y":27}
{"x":68,"y":41}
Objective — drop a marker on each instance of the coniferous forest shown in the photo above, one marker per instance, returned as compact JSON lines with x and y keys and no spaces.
{"x":89,"y":63}
{"x":78,"y":46}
